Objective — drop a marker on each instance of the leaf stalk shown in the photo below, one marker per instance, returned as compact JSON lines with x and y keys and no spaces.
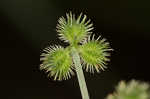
{"x":80,"y":74}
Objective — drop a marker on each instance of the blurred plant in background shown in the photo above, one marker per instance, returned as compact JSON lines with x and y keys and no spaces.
{"x":131,"y":90}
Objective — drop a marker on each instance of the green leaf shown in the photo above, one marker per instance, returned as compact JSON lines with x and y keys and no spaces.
{"x":74,"y":30}
{"x":57,"y":62}
{"x":94,"y":54}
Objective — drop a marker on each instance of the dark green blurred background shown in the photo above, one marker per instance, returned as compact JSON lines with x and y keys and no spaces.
{"x":28,"y":26}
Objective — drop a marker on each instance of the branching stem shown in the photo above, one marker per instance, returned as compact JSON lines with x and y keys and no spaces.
{"x":80,"y":74}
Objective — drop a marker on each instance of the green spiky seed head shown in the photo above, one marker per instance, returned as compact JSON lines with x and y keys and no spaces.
{"x":131,"y":90}
{"x":73,"y":30}
{"x":57,"y":62}
{"x":94,"y":54}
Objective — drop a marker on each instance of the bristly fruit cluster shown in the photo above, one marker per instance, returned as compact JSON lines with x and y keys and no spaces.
{"x":94,"y":54}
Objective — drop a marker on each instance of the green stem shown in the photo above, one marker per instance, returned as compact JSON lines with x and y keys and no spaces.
{"x":80,"y":75}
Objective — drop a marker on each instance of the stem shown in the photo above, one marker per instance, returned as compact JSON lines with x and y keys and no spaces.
{"x":80,"y":75}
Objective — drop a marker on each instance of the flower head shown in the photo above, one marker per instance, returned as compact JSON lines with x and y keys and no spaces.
{"x":57,"y":61}
{"x":94,"y":53}
{"x":74,"y":30}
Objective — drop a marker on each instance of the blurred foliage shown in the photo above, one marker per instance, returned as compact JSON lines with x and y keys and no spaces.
{"x":131,"y":90}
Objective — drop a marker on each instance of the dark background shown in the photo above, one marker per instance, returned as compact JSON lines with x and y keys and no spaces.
{"x":27,"y":26}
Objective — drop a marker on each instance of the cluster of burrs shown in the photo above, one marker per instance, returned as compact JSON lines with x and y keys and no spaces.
{"x":131,"y":90}
{"x":94,"y":54}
